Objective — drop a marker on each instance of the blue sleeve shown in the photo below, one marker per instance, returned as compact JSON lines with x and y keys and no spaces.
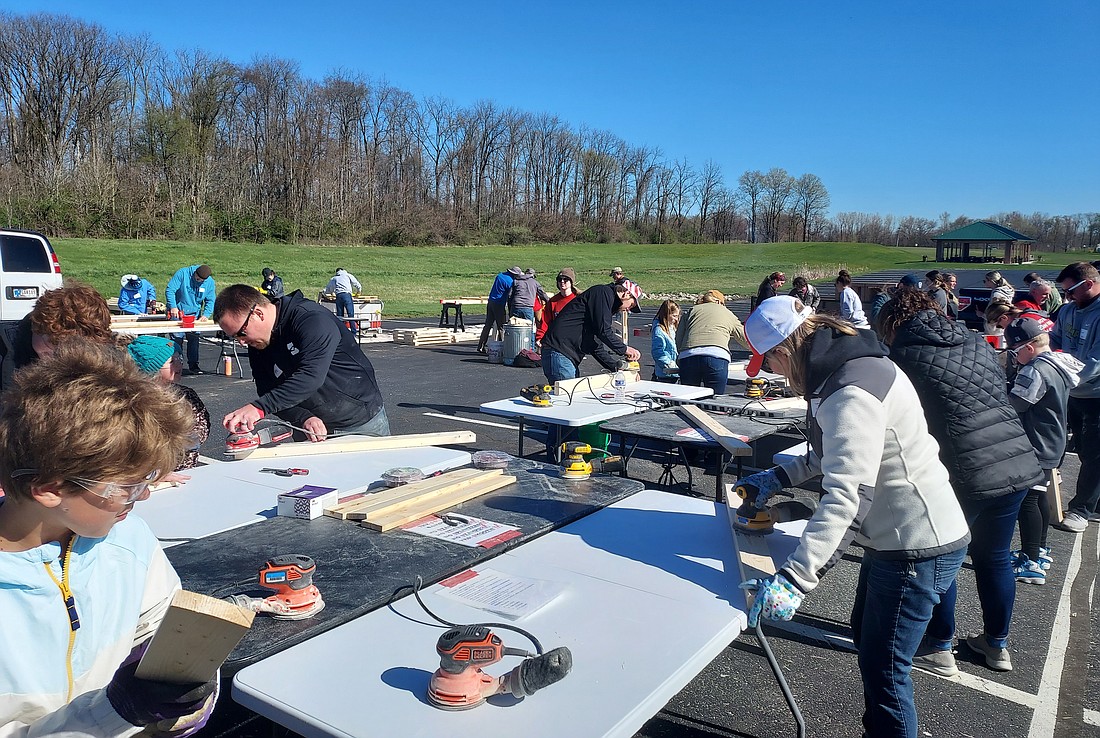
{"x":173,"y":288}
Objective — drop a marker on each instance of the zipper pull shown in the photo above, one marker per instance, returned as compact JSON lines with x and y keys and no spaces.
{"x":70,"y":606}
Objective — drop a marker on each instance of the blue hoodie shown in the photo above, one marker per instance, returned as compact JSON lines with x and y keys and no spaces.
{"x":191,"y":298}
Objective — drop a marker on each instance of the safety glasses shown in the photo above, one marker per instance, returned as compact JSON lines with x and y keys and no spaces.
{"x":244,"y":325}
{"x":127,"y":493}
{"x":1069,"y":290}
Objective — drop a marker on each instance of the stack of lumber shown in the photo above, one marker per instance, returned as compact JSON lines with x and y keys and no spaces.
{"x":434,"y":336}
{"x":395,"y":506}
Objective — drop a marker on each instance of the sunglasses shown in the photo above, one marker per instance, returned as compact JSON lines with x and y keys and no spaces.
{"x":107,"y":490}
{"x":244,"y":325}
{"x":1069,"y":291}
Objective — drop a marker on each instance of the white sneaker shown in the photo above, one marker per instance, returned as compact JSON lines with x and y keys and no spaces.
{"x":1073,"y":522}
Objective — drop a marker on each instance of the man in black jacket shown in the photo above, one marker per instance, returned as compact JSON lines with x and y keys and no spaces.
{"x":582,"y":325}
{"x":308,"y":370}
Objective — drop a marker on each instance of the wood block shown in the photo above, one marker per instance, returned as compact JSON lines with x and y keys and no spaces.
{"x":196,"y":636}
{"x":370,"y":499}
{"x":754,"y":559}
{"x":434,"y":505}
{"x":1054,"y":495}
{"x":416,"y":497}
{"x":725,"y":438}
{"x":358,"y":443}
{"x":595,"y":382}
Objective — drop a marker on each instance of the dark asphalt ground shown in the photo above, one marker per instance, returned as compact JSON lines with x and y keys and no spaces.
{"x":1053,"y":690}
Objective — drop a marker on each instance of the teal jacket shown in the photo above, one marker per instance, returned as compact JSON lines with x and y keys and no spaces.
{"x":192,"y":299}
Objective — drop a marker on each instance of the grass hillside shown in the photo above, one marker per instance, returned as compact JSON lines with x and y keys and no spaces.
{"x":411,"y":280}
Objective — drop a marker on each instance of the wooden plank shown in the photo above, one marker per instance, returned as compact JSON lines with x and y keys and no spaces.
{"x":754,"y":559}
{"x":342,"y":510}
{"x":358,"y":443}
{"x":412,"y":498}
{"x":410,"y":514}
{"x":194,"y":639}
{"x":725,"y":438}
{"x":1054,"y":495}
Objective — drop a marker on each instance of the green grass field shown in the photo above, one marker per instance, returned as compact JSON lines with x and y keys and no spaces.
{"x":412,"y":280}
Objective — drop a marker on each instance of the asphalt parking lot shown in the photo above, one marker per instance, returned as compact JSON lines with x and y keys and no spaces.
{"x":1052,"y":690}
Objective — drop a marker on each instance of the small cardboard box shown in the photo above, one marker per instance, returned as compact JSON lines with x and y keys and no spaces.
{"x":307,"y":502}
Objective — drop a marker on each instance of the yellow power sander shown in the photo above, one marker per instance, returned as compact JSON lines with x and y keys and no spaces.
{"x":539,"y":395}
{"x":748,"y":518}
{"x":575,"y":466}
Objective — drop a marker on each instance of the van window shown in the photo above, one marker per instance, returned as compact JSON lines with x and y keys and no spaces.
{"x":23,"y":254}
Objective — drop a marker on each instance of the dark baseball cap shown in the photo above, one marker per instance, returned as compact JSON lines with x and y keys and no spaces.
{"x":1021,"y":331}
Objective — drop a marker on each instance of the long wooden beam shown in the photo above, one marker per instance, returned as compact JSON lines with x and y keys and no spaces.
{"x":356,"y":443}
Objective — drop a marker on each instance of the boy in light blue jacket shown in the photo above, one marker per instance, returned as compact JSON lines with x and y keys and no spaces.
{"x":191,"y":291}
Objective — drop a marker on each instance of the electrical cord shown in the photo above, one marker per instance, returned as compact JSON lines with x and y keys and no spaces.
{"x":415,"y":587}
{"x":271,"y":421}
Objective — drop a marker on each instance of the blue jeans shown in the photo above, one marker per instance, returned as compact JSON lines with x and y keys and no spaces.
{"x":192,"y":348}
{"x":379,"y":425}
{"x":556,"y":366}
{"x":1084,"y":421}
{"x":894,"y":601}
{"x":529,"y":314}
{"x":992,"y":523}
{"x":345,"y":306}
{"x":705,"y":371}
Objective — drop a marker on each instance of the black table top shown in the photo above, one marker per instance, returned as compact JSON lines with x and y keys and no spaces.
{"x":667,"y":425}
{"x":358,"y":570}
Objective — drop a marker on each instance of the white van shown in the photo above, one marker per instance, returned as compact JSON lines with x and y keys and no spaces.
{"x":28,"y":267}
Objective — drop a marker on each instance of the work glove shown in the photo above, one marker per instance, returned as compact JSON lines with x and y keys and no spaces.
{"x":144,"y":702}
{"x":776,"y":599}
{"x":760,"y":487}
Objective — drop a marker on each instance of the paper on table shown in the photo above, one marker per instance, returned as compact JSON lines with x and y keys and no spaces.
{"x":505,"y":594}
{"x":466,"y":531}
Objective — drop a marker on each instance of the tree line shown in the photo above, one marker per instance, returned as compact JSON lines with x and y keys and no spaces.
{"x":108,"y":135}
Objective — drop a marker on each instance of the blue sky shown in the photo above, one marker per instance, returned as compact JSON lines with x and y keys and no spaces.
{"x":969,"y":107}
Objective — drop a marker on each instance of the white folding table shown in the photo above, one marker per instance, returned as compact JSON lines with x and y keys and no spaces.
{"x":650,"y":598}
{"x":229,"y":494}
{"x":585,"y":407}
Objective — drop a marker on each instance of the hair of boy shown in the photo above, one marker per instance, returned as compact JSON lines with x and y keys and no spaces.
{"x":799,"y":283}
{"x":87,"y":411}
{"x":237,"y":299}
{"x":1041,"y":341}
{"x":75,"y":310}
{"x":1078,"y":271}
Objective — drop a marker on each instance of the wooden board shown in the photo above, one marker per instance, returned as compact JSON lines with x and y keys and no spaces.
{"x":1054,"y":494}
{"x":754,"y":559}
{"x":418,"y":497}
{"x":409,"y":514}
{"x":368,"y":499}
{"x":724,"y":437}
{"x":357,"y":443}
{"x":194,"y":639}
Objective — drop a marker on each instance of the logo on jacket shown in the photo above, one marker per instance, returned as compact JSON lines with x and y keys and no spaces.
{"x":292,"y":348}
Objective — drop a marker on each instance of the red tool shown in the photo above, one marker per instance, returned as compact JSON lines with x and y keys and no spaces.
{"x":295,"y":598}
{"x":291,"y":472}
{"x":240,"y":444}
{"x":460,"y":684}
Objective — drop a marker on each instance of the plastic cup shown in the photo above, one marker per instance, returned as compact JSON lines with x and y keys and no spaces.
{"x":187,"y":321}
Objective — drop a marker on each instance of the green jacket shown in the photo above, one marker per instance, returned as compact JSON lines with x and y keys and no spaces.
{"x":709,"y":324}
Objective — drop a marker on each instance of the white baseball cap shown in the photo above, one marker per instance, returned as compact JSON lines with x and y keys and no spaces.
{"x":769,"y":325}
{"x":128,"y":278}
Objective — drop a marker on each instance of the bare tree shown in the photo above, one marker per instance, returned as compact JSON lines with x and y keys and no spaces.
{"x":751,"y":190}
{"x":811,"y":201}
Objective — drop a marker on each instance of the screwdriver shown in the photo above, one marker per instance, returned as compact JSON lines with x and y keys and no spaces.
{"x":291,"y":472}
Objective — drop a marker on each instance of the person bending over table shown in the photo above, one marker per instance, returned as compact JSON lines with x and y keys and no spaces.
{"x":583,"y":326}
{"x":884,"y":488}
{"x":190,"y":292}
{"x":308,"y":369}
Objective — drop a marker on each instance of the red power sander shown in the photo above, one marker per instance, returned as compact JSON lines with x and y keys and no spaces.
{"x":295,"y":598}
{"x":241,"y":444}
{"x":460,"y":684}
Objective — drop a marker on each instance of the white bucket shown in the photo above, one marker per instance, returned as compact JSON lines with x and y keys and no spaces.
{"x":495,"y":352}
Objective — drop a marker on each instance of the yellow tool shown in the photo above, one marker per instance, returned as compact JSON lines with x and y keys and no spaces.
{"x":756,"y":387}
{"x":748,"y":517}
{"x":575,"y":466}
{"x":629,"y":366}
{"x":538,"y":395}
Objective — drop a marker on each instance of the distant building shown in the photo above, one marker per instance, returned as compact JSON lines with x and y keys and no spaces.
{"x":983,"y":241}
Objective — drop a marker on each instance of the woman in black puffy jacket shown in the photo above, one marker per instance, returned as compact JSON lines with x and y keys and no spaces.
{"x":986,"y":450}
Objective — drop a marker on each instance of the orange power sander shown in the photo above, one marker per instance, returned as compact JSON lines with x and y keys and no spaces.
{"x":460,"y":684}
{"x":296,"y":596}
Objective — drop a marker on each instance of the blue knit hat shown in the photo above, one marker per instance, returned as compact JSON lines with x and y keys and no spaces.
{"x":150,"y":352}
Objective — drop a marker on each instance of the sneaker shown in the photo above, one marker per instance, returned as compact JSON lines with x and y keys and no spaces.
{"x":1045,"y":559}
{"x":940,"y":663}
{"x":1028,"y":571}
{"x":996,"y":659}
{"x":1094,"y":517}
{"x":1073,"y":522}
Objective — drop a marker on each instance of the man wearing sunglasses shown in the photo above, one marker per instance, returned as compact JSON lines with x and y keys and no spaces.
{"x":308,"y":369}
{"x":1075,"y":332}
